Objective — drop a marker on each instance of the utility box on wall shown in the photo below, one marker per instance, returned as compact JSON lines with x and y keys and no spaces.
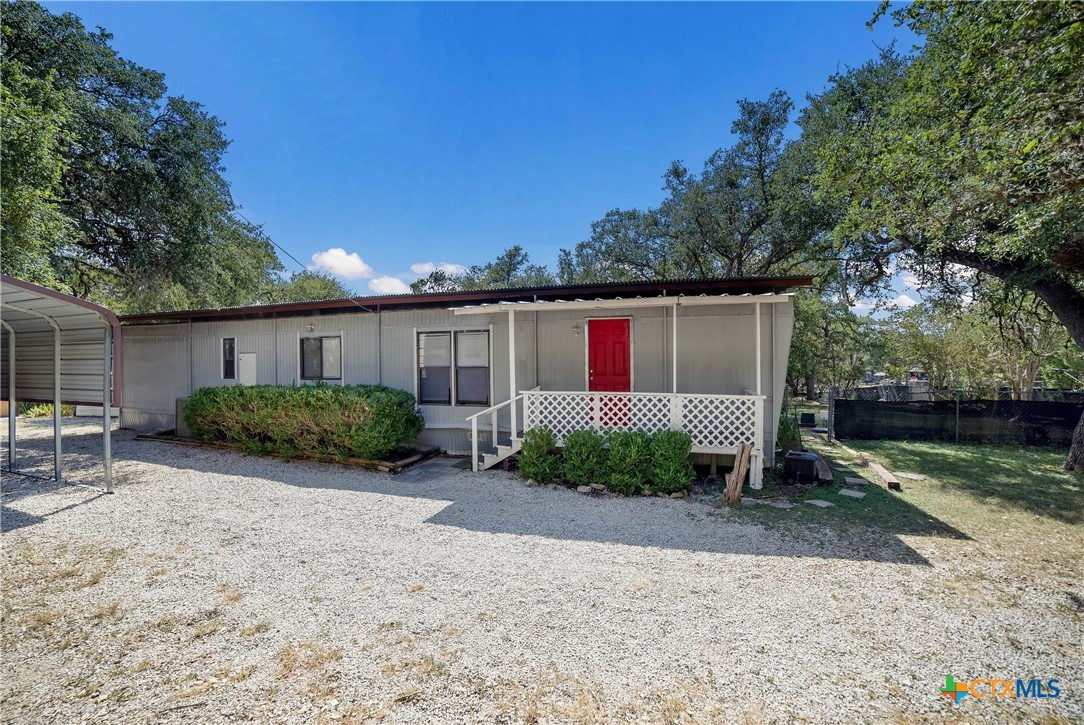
{"x":179,"y":428}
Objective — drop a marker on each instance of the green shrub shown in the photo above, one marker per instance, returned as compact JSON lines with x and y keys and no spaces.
{"x":43,"y":410}
{"x":538,"y":458}
{"x":349,"y":421}
{"x":789,"y":437}
{"x":585,"y":457}
{"x":671,"y":470}
{"x":630,"y":461}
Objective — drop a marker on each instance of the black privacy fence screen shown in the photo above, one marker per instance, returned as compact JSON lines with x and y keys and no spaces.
{"x":1025,"y":422}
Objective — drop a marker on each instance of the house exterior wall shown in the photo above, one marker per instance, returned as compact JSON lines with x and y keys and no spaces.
{"x":716,"y":354}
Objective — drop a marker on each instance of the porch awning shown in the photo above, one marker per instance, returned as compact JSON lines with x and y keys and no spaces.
{"x":57,"y":349}
{"x":622,"y":303}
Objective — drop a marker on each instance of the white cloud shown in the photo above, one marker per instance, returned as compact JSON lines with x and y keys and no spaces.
{"x":389,"y":286}
{"x":911,"y":282}
{"x":338,"y":262}
{"x":861,"y":306}
{"x":426,"y":268}
{"x":903,"y":302}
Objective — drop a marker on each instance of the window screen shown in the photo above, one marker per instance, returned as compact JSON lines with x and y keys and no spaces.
{"x":472,"y":368}
{"x":435,"y":367}
{"x":229,"y":358}
{"x":321,"y":358}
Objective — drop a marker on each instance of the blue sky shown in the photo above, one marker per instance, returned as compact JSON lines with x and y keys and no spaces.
{"x":383,"y":138}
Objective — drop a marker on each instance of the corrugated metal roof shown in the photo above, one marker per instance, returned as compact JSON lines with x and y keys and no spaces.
{"x":653,"y":288}
{"x":30,"y":310}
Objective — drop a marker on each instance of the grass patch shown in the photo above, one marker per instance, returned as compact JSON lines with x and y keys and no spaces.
{"x":110,"y":611}
{"x":252,"y":630}
{"x":1014,"y":504}
{"x":206,"y":629}
{"x":300,"y":656}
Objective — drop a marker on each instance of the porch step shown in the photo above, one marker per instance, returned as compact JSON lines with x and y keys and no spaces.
{"x":501,"y":452}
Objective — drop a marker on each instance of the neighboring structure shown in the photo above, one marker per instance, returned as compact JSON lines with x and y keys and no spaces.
{"x":706,"y":356}
{"x":56,"y":349}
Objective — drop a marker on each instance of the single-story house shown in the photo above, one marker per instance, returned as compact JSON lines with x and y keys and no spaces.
{"x":708,"y":356}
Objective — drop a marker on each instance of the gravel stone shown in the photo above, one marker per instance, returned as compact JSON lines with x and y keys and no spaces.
{"x":236,"y":587}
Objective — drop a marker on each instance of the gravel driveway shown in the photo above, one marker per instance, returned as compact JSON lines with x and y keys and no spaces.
{"x":217,"y":586}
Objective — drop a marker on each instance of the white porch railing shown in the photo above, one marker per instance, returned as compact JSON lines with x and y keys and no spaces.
{"x":492,"y":413}
{"x":716,"y":423}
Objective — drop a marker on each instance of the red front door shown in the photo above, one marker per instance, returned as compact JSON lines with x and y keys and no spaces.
{"x":609,"y":356}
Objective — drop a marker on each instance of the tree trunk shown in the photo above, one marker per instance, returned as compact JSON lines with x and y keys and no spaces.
{"x":1075,"y":459}
{"x":810,"y":386}
{"x":1063,"y":298}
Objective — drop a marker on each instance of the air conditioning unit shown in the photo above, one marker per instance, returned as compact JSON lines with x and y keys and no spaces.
{"x":179,"y":428}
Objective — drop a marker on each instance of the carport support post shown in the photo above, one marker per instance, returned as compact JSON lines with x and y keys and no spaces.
{"x":107,"y":405}
{"x":56,"y":403}
{"x":12,"y":404}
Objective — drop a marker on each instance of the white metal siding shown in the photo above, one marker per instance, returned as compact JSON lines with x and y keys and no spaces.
{"x":716,"y":354}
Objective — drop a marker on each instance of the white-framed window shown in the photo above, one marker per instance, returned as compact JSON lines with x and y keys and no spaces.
{"x":321,"y":358}
{"x":472,"y":367}
{"x":229,"y":358}
{"x":453,"y":368}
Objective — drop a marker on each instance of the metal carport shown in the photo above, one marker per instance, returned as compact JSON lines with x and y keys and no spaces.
{"x":57,"y":349}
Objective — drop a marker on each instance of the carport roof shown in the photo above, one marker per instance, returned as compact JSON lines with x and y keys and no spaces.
{"x":29,"y":309}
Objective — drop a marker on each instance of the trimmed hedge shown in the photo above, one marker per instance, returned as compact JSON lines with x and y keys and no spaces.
{"x":348,"y":421}
{"x":585,"y":457}
{"x":538,"y":458}
{"x":671,"y":470}
{"x":630,"y":461}
{"x":635,"y":460}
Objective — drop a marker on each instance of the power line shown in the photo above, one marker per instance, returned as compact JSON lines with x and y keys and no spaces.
{"x":279,"y":247}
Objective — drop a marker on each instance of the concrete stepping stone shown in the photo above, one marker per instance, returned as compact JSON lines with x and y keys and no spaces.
{"x":911,"y":476}
{"x":748,"y":501}
{"x":854,"y":481}
{"x":819,"y":503}
{"x":852,"y":494}
{"x":780,"y":504}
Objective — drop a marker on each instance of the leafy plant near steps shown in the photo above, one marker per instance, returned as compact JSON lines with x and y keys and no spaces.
{"x":359,"y":421}
{"x":629,"y":466}
{"x":671,"y":470}
{"x":585,"y":458}
{"x":538,"y":458}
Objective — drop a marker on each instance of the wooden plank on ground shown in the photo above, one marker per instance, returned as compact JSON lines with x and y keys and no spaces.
{"x":736,"y":478}
{"x":887,"y":479}
{"x":824,"y":473}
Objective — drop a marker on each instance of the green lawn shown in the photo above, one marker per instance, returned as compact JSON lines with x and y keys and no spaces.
{"x":1005,"y":502}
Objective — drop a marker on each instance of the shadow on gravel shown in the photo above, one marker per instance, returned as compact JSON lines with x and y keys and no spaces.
{"x":490,"y":503}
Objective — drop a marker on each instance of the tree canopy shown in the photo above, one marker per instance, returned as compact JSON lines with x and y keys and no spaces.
{"x":966,"y":159}
{"x":112,"y":189}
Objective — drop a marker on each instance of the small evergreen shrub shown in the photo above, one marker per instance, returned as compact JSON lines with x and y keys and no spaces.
{"x":585,"y":457}
{"x":538,"y":458}
{"x":671,"y":470}
{"x":789,"y":436}
{"x":629,"y":466}
{"x":349,"y":421}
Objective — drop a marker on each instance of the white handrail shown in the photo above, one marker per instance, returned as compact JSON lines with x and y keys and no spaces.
{"x":492,"y":412}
